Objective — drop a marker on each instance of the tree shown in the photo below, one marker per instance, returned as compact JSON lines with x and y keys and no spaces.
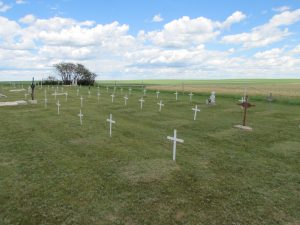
{"x":75,"y":73}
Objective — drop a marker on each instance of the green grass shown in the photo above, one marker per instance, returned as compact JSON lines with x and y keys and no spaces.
{"x":54,"y":171}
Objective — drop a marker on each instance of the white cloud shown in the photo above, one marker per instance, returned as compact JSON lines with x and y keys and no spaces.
{"x":236,"y":17}
{"x":157,"y":18}
{"x":281,"y":8}
{"x":180,"y":49}
{"x":28,"y":19}
{"x":19,"y":2}
{"x":4,"y":7}
{"x":266,"y":34}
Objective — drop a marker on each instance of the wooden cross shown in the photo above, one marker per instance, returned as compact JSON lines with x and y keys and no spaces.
{"x":191,"y":95}
{"x":175,"y":140}
{"x":142,"y":100}
{"x":80,"y":116}
{"x":110,"y":123}
{"x":196,"y":110}
{"x":125,"y":98}
{"x":160,"y":105}
{"x":245,"y":105}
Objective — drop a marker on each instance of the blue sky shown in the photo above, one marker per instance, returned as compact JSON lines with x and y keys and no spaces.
{"x":151,"y":39}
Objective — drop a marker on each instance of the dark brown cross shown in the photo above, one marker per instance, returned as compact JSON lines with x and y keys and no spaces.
{"x":245,"y":104}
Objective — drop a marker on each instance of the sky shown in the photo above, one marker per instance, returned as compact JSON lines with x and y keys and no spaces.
{"x":151,"y":39}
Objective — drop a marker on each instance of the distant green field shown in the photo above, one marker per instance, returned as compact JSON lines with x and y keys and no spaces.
{"x":54,"y":171}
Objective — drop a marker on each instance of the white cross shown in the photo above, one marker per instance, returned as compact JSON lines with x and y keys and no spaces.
{"x":112,"y":97}
{"x":110,"y":123}
{"x":191,"y":95}
{"x":77,"y":91}
{"x":142,"y":100}
{"x":80,"y":116}
{"x":62,"y":88}
{"x":130,"y":91}
{"x":58,"y":105}
{"x":89,"y":93}
{"x":175,"y":139}
{"x":121,"y":90}
{"x":107,"y":89}
{"x":145,"y":92}
{"x":26,"y":96}
{"x":98,"y":94}
{"x":55,"y":94}
{"x":160,"y":105}
{"x":125,"y":98}
{"x":81,"y":101}
{"x":46,"y":100}
{"x":157,"y":94}
{"x":176,"y":93}
{"x":196,"y":110}
{"x":66,"y":96}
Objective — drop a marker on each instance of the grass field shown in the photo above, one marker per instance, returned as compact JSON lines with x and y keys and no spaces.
{"x":54,"y":171}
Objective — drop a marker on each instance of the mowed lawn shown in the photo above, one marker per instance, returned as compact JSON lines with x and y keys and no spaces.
{"x":54,"y":171}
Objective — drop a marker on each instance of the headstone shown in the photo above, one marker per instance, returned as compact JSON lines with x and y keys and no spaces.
{"x":125,"y":98}
{"x":142,"y":101}
{"x":160,"y":105}
{"x":175,"y":140}
{"x":80,"y":116}
{"x":195,"y":110}
{"x":110,"y":124}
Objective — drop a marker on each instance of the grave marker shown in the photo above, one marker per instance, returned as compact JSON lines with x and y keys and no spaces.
{"x":157,"y":94}
{"x":245,"y":106}
{"x":125,"y":98}
{"x":80,"y":116}
{"x":112,"y":98}
{"x":81,"y":101}
{"x":176,"y":93}
{"x":191,"y":96}
{"x":160,"y":105}
{"x":110,"y":124}
{"x":196,"y":110}
{"x":142,"y":101}
{"x":58,"y":106}
{"x":175,"y":140}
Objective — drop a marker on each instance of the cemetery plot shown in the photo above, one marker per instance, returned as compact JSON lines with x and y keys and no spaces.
{"x":54,"y":170}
